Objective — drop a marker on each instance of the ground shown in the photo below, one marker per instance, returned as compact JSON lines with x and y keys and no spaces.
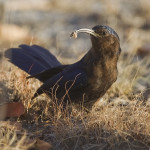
{"x":120,"y":120}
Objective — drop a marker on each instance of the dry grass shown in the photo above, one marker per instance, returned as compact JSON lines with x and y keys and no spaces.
{"x":120,"y":120}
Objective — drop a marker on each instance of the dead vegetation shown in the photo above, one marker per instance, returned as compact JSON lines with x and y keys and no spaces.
{"x":120,"y":120}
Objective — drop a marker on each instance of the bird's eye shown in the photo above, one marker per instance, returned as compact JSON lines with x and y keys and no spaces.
{"x":103,"y":33}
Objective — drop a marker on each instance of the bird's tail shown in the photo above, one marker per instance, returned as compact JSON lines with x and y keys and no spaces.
{"x":32,"y":59}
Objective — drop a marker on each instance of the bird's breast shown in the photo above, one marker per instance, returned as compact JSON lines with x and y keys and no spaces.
{"x":100,"y":81}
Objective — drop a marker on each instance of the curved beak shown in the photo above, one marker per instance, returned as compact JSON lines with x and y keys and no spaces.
{"x":89,"y":31}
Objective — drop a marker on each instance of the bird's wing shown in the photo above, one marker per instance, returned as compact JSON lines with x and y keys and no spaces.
{"x":47,"y":74}
{"x":32,"y":59}
{"x":70,"y":79}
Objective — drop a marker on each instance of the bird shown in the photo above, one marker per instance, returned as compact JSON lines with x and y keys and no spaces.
{"x":84,"y":81}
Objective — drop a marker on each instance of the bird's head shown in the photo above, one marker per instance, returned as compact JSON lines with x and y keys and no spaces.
{"x":103,"y":38}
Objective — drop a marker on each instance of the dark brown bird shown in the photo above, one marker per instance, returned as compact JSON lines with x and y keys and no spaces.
{"x":86,"y":80}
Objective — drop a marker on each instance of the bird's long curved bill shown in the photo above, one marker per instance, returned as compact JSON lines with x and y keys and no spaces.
{"x":89,"y":31}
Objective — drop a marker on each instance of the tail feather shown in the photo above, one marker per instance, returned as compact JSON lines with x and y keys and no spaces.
{"x":32,"y":59}
{"x":47,"y":74}
{"x":41,"y":55}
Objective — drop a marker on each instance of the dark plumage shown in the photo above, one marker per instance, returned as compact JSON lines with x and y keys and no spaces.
{"x":86,"y":80}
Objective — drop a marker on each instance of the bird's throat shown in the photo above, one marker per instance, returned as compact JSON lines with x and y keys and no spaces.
{"x":100,"y":64}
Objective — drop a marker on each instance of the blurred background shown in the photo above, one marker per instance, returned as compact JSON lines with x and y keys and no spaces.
{"x":49,"y":23}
